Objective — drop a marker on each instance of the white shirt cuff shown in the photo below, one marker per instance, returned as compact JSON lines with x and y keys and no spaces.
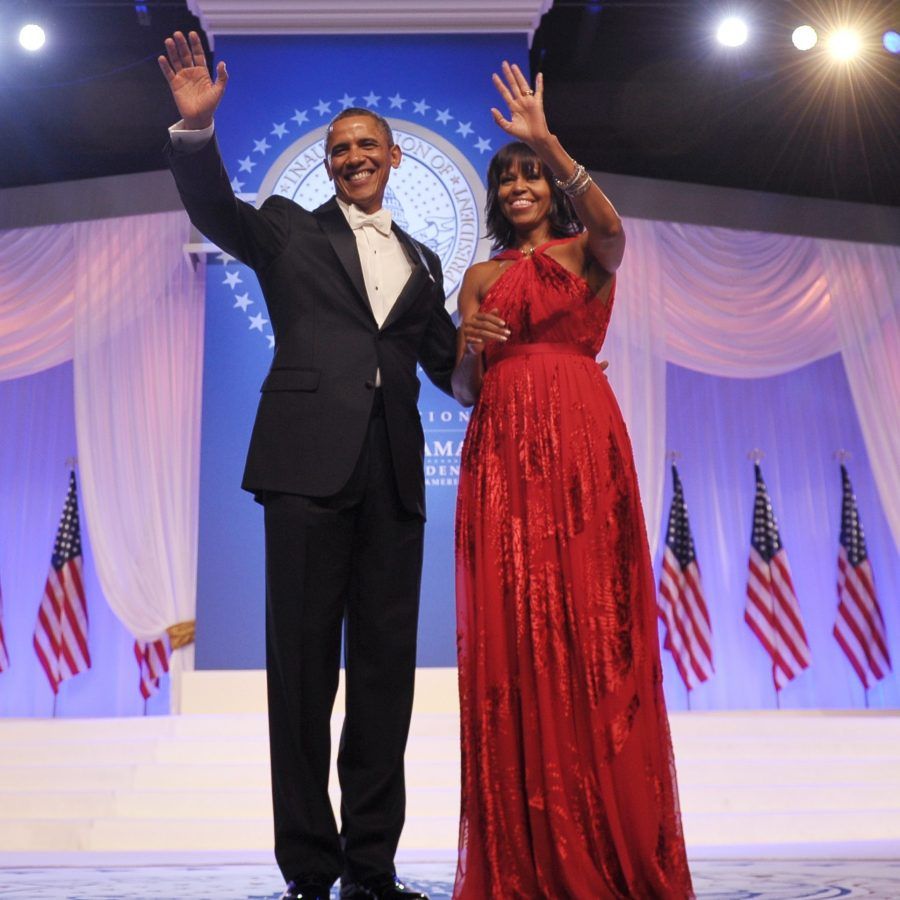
{"x":189,"y":138}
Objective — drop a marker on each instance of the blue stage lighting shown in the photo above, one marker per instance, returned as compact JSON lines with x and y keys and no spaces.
{"x":891,"y":41}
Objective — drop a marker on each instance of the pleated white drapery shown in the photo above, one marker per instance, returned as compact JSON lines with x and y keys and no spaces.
{"x":748,"y":305}
{"x":635,"y":347}
{"x":37,"y":293}
{"x":119,"y":298}
{"x":864,"y":283}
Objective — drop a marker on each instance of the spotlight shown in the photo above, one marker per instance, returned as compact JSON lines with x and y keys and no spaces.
{"x":32,"y":37}
{"x":844,"y":44}
{"x":732,"y":32}
{"x":804,"y":37}
{"x":891,"y":41}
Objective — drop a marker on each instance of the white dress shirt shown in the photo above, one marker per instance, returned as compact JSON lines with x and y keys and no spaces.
{"x":385,"y":266}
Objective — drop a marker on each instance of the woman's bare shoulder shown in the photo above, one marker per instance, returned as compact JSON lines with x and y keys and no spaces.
{"x":481,"y":275}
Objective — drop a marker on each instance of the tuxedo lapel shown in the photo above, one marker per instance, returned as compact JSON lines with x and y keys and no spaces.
{"x":411,"y":290}
{"x":419,"y":278}
{"x":333,"y":223}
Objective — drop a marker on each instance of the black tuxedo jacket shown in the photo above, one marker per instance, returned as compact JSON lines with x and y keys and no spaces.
{"x":316,"y":401}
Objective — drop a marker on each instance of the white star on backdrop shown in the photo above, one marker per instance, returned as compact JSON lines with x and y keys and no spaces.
{"x":261,"y":146}
{"x":232,"y":279}
{"x":397,"y":101}
{"x":421,"y":107}
{"x":464,"y":128}
{"x":225,"y":258}
{"x":271,"y":339}
{"x":300,"y":116}
{"x":322,"y":107}
{"x":242,"y":301}
{"x":279,"y":130}
{"x":482,"y":144}
{"x":443,"y":116}
{"x":237,"y":186}
{"x":372,"y":98}
{"x":246,"y":164}
{"x":257,"y":322}
{"x":347,"y":101}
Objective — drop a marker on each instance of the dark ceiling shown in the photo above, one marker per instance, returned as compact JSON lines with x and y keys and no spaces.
{"x":637,"y":88}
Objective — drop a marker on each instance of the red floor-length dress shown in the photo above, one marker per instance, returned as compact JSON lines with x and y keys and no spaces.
{"x":568,"y":783}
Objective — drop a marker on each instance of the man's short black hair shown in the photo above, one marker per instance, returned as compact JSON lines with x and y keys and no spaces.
{"x":352,"y":112}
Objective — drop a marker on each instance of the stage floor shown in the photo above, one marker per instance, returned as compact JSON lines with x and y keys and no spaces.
{"x":718,"y":879}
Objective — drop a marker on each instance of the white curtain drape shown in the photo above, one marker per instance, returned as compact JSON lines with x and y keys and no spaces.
{"x":138,"y":365}
{"x":121,"y":300}
{"x":743,"y":304}
{"x":864,"y":284}
{"x":37,"y":293}
{"x":748,"y":305}
{"x":635,"y":347}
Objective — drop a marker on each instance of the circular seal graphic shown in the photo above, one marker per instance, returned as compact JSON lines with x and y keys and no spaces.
{"x":435,"y":195}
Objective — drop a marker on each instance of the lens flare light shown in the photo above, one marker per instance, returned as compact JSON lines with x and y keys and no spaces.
{"x":844,"y":44}
{"x":804,"y":37}
{"x":32,"y":37}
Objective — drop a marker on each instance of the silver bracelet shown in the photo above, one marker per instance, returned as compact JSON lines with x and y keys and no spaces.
{"x":581,"y":187}
{"x":566,"y":185}
{"x":577,"y":183}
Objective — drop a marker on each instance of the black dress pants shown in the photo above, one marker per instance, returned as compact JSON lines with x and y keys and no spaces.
{"x":353,"y":560}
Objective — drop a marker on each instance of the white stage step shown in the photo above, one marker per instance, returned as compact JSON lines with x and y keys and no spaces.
{"x":198,"y":782}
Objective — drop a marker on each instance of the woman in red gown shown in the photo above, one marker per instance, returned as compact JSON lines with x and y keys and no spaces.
{"x":568,"y":784}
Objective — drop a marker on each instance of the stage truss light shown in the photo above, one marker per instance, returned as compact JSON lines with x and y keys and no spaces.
{"x":804,"y":37}
{"x":844,"y":44}
{"x":32,"y":37}
{"x":143,"y":14}
{"x":732,"y":32}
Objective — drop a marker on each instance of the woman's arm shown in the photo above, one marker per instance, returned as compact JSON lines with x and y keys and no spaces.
{"x":605,"y":241}
{"x":476,"y":328}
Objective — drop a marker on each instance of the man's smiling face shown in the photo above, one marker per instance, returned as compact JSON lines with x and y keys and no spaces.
{"x":359,"y":160}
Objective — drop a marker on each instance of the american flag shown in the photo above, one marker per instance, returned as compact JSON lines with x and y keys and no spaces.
{"x":682,"y":606}
{"x":153,"y":660}
{"x":4,"y":656}
{"x":772,"y":610}
{"x":859,"y":627}
{"x":61,"y":633}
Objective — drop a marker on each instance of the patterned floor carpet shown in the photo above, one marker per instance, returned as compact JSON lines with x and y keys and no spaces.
{"x":713,"y":880}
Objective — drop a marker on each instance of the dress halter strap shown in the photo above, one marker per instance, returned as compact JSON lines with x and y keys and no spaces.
{"x":513,"y":253}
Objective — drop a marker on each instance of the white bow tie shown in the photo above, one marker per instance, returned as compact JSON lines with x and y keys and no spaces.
{"x":380,"y":220}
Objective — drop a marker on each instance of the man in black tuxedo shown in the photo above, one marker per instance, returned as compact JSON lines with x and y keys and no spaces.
{"x":336,"y":459}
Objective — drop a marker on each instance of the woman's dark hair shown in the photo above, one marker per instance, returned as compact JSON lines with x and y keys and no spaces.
{"x":564,"y":220}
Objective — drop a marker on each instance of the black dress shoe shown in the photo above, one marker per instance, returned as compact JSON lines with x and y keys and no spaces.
{"x":391,"y":889}
{"x":306,"y":890}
